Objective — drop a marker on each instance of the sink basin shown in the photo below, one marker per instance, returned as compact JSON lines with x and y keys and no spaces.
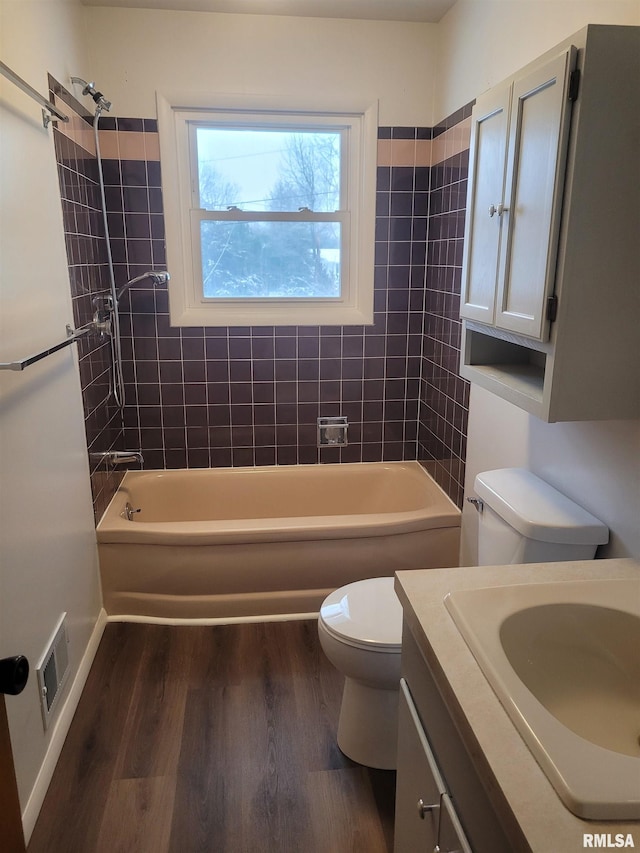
{"x":564,"y":660}
{"x":582,"y":662}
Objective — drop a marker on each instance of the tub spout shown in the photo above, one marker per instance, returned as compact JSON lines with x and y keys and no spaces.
{"x":113,"y":458}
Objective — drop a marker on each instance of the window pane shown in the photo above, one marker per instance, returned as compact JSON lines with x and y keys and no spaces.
{"x":272,"y":170}
{"x":270,"y":259}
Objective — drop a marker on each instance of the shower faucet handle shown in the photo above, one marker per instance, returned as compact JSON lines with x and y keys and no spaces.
{"x":129,"y":511}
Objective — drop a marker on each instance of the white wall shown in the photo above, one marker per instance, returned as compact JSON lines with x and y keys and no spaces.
{"x":480,"y":42}
{"x":136,"y":51}
{"x":597,"y":463}
{"x":49,"y":559}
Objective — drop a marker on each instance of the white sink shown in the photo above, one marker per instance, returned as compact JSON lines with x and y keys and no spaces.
{"x":564,"y":660}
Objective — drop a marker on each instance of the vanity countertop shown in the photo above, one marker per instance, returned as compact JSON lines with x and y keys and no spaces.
{"x":545,"y":822}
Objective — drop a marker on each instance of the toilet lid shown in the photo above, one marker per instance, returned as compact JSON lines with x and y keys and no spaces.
{"x":365,"y":613}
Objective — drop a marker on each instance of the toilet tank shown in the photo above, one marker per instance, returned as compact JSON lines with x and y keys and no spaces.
{"x":525,"y":520}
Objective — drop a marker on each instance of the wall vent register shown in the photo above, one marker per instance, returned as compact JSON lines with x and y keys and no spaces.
{"x":53,"y":671}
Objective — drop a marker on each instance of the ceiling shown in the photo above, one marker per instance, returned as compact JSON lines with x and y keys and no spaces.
{"x":425,"y":11}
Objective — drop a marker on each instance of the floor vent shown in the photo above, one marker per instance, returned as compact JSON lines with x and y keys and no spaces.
{"x":53,"y":670}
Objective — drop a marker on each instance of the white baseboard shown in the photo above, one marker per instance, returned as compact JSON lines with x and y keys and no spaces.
{"x":214,"y":620}
{"x":60,"y":730}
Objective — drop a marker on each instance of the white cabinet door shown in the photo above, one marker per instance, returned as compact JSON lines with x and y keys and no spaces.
{"x":536,"y":157}
{"x":487,"y":156}
{"x":425,"y":819}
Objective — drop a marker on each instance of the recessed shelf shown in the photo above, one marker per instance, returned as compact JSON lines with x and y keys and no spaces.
{"x":526,"y":379}
{"x":489,"y":360}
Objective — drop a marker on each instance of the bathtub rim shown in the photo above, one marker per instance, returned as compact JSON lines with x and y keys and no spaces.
{"x":114,"y":529}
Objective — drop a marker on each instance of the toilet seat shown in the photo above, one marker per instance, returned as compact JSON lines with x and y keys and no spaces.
{"x":365,"y":614}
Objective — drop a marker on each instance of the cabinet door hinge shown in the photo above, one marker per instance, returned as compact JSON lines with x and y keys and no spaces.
{"x":552,"y":308}
{"x":574,"y":85}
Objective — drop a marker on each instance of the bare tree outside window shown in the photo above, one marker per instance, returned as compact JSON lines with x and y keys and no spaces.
{"x":281,"y":172}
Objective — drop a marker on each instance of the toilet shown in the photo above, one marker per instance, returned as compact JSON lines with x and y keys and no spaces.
{"x":522,"y":519}
{"x":360,"y":630}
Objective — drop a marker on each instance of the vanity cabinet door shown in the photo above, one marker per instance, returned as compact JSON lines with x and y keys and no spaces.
{"x":425,"y":819}
{"x":452,"y":838}
{"x":418,"y":784}
{"x":531,"y":205}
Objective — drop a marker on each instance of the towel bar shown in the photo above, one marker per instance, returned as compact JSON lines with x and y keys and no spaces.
{"x":72,"y":336}
{"x":29,"y":90}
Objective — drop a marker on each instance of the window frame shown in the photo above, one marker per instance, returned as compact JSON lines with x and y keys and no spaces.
{"x":188,"y":306}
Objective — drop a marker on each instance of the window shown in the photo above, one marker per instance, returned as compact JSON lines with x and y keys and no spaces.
{"x":269,"y":214}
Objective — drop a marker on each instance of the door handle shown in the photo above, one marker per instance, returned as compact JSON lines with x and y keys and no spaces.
{"x":14,"y":673}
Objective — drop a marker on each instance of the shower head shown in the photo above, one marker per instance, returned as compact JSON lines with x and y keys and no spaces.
{"x":159,"y":278}
{"x":90,"y":89}
{"x":156,"y":276}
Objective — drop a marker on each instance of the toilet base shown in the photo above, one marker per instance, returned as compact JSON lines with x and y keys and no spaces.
{"x":368,"y":725}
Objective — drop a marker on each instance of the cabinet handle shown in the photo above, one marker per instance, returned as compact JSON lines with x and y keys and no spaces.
{"x":497,"y":208}
{"x":423,"y":808}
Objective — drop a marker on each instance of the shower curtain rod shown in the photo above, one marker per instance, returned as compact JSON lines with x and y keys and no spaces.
{"x":29,"y":90}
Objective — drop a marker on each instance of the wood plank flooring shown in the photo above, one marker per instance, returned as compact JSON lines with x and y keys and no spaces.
{"x":217,"y":739}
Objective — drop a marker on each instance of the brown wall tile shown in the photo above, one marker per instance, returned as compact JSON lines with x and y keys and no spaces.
{"x":199,"y":397}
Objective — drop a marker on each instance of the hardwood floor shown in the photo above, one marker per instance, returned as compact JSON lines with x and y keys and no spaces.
{"x":214,"y":739}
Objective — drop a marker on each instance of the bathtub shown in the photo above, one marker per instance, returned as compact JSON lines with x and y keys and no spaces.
{"x":258,"y":542}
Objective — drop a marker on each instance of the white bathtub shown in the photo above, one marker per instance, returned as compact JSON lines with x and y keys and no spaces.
{"x":242,"y":542}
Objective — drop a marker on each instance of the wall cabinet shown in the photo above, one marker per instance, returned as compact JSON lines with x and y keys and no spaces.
{"x":518,"y":150}
{"x":550,"y":273}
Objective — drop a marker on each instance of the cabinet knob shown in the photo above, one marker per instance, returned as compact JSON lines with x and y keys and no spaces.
{"x":497,"y":208}
{"x":424,"y":808}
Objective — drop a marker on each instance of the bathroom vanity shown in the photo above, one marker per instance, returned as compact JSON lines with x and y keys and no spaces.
{"x":467,"y":781}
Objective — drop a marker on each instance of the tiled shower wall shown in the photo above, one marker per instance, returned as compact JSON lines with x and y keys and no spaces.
{"x":250,"y":396}
{"x":444,"y":395}
{"x":88,"y":275}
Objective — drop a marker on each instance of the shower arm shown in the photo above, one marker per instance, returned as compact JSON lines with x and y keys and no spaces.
{"x":157,"y":277}
{"x":103,"y":303}
{"x":90,"y":89}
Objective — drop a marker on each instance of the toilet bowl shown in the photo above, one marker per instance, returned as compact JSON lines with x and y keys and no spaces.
{"x":522,"y":520}
{"x":360,"y":631}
